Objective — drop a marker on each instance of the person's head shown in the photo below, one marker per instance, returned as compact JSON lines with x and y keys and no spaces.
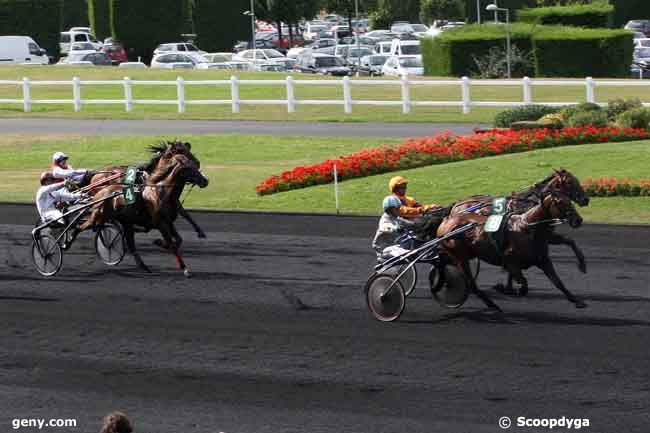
{"x":391,"y":205}
{"x":60,"y":159}
{"x":116,"y":422}
{"x":47,"y":178}
{"x":397,"y":185}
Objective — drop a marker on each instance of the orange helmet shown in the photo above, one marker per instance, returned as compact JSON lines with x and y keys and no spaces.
{"x":395,"y":182}
{"x":46,"y":177}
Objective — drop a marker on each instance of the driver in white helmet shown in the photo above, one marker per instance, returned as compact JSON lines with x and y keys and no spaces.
{"x":390,"y":227}
{"x":62,"y":171}
{"x":50,"y":196}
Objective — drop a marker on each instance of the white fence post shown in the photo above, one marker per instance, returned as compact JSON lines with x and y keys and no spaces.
{"x":291,"y":99}
{"x":590,"y":90}
{"x":76,"y":94}
{"x":27,"y":95}
{"x":128,"y":95}
{"x":528,"y":91}
{"x":406,"y":96}
{"x":347,"y":95}
{"x":467,"y":101}
{"x":180,"y":93}
{"x":234,"y":94}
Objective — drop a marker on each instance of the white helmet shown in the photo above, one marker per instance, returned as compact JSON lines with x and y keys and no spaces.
{"x":59,"y":156}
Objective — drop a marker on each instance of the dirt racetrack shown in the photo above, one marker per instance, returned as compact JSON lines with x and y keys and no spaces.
{"x":272,"y":335}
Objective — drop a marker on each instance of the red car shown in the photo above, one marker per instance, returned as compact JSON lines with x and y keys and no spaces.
{"x":116,"y":52}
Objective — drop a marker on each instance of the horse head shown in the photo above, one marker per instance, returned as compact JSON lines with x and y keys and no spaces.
{"x":565,"y":182}
{"x":560,"y":206}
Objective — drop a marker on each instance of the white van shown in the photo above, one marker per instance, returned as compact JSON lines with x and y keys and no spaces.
{"x":67,"y":38}
{"x":16,"y":50}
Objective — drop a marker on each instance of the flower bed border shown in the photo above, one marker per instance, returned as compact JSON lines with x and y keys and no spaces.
{"x":440,"y":149}
{"x":613,"y":187}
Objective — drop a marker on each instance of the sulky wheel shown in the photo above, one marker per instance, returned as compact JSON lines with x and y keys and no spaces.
{"x":452,"y":289}
{"x":109,"y":244}
{"x":46,"y":254}
{"x":385,"y":300}
{"x":408,"y":280}
{"x":475,"y":266}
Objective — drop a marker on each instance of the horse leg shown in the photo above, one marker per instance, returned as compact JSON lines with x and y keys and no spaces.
{"x":549,"y":270}
{"x":465,"y":268}
{"x":514,"y":274}
{"x":174,"y":240}
{"x":185,"y":214}
{"x":129,"y":236}
{"x":558,"y":239}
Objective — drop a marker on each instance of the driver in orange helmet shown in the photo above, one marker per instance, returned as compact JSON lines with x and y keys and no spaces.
{"x":410,"y":207}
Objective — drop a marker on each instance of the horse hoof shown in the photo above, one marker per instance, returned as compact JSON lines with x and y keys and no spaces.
{"x":508,"y":291}
{"x":187,"y":273}
{"x":581,"y":304}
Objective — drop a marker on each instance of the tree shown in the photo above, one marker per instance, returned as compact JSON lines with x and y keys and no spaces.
{"x":99,"y":17}
{"x":389,"y":11}
{"x":74,"y":14}
{"x":40,"y":19}
{"x":440,"y":9}
{"x":347,"y":8}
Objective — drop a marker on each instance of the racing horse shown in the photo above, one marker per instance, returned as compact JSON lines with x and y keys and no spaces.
{"x":111,"y":175}
{"x":525,"y":243}
{"x":158,"y":206}
{"x":562,"y":181}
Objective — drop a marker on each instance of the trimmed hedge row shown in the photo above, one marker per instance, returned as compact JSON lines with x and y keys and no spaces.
{"x":40,"y":19}
{"x":141,"y":36}
{"x":220,"y":24}
{"x":597,"y":15}
{"x":99,"y":17}
{"x":557,"y":51}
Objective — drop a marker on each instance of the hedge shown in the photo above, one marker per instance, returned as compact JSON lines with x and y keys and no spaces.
{"x":75,"y":14}
{"x":557,"y":51}
{"x":470,"y":8}
{"x":452,"y":53}
{"x":571,"y":52}
{"x":99,"y":17}
{"x":219,"y":25}
{"x":144,"y":24}
{"x":597,"y":15}
{"x":625,"y":10}
{"x":40,"y":19}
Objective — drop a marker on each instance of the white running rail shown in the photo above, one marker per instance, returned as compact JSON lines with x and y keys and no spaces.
{"x":406,"y":102}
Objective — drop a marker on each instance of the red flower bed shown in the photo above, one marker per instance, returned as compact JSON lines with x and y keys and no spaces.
{"x":611,"y":187}
{"x":440,"y":149}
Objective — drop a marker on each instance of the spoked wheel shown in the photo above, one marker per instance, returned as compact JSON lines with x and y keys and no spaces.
{"x":408,"y":280}
{"x":47,"y":255}
{"x":109,"y":244}
{"x":385,"y":300}
{"x":475,"y":266}
{"x":451,"y":289}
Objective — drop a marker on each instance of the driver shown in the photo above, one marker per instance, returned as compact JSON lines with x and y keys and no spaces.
{"x":409,"y":207}
{"x":50,"y":195}
{"x":390,"y":226}
{"x":62,"y":171}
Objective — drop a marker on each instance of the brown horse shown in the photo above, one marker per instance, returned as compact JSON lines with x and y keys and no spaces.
{"x":561,"y":181}
{"x":524,"y":244}
{"x":112,"y":174}
{"x":158,"y":206}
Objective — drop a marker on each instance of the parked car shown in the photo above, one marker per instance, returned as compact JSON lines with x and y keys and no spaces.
{"x":218,"y":57}
{"x":132,"y":65}
{"x":383,"y":47}
{"x":16,"y":50}
{"x":406,"y":48}
{"x":313,"y":31}
{"x":265,"y":56}
{"x":186,"y":60}
{"x":70,"y":37}
{"x":642,"y":43}
{"x":322,"y":43}
{"x":372,"y":65}
{"x":641,"y":63}
{"x":403,"y":65}
{"x":341,"y":32}
{"x":116,"y":52}
{"x":642,"y":26}
{"x":83,"y":58}
{"x":353,"y":54}
{"x":363,"y":40}
{"x":325,"y":64}
{"x":82,"y":48}
{"x":177,"y":47}
{"x":401,"y":28}
{"x":381,"y":35}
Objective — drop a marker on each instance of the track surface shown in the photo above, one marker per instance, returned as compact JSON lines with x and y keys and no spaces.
{"x":272,"y":335}
{"x":157,"y":127}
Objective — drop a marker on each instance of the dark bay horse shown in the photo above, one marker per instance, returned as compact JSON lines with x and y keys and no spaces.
{"x":525,"y":243}
{"x":561,"y":181}
{"x":171,"y":147}
{"x":158,"y":206}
